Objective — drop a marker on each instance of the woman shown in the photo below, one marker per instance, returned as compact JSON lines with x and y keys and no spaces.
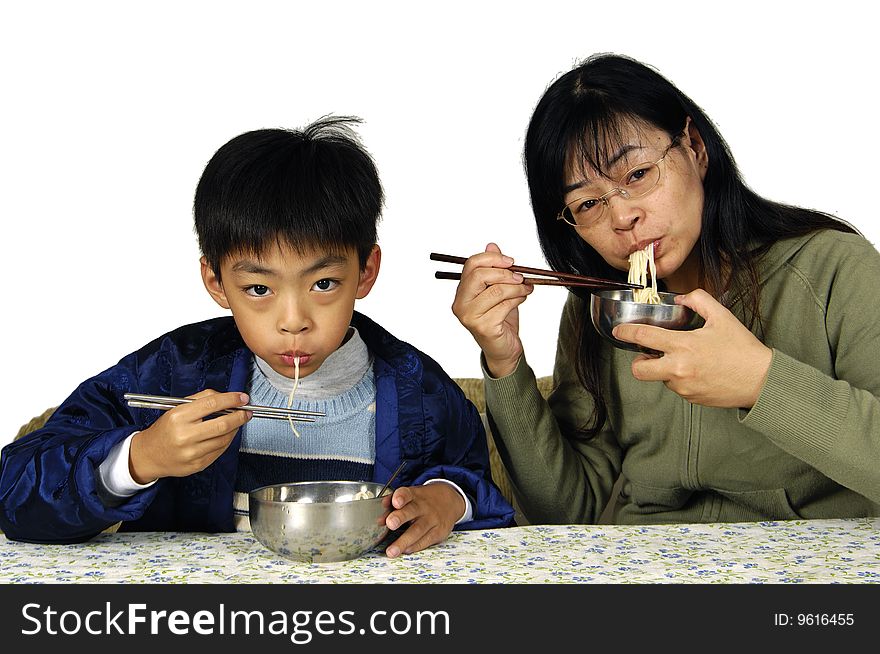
{"x":769,"y":411}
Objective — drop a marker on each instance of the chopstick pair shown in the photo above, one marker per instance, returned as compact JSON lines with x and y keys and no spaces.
{"x":164,"y":403}
{"x":548,"y":278}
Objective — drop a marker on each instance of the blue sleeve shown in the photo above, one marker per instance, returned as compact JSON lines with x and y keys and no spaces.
{"x":466,"y":462}
{"x":48,"y":479}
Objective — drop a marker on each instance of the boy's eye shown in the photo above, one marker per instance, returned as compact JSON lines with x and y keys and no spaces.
{"x":324,"y":285}
{"x":257,"y":290}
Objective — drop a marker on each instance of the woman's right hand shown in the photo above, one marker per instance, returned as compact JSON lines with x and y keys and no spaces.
{"x":181,"y":442}
{"x":486,"y":303}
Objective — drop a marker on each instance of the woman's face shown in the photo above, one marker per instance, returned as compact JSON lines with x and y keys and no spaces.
{"x":669,"y":215}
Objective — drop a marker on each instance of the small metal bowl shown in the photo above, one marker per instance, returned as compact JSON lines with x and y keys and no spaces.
{"x":611,"y":308}
{"x":319,"y":521}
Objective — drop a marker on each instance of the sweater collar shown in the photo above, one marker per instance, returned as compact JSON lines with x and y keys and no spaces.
{"x":341,"y":371}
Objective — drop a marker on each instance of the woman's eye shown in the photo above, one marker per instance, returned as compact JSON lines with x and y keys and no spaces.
{"x":637,"y":175}
{"x":587,"y":204}
{"x":257,"y":290}
{"x":324,"y":285}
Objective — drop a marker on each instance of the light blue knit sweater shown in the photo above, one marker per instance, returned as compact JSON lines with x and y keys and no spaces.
{"x":339,"y":446}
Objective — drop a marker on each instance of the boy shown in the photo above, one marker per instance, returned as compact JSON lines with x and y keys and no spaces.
{"x":286,"y":221}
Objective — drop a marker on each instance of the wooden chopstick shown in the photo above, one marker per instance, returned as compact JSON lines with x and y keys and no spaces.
{"x":543,"y":281}
{"x":567,"y":279}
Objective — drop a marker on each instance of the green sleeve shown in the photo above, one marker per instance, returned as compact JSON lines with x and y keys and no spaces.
{"x":833,"y":422}
{"x":558,"y":476}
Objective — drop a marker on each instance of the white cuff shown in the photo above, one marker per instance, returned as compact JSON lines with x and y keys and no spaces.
{"x":115,"y":473}
{"x":468,"y":514}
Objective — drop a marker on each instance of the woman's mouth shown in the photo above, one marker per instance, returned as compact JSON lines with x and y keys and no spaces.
{"x":641,"y":245}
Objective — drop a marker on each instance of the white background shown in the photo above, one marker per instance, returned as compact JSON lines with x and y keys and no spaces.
{"x":109,"y":111}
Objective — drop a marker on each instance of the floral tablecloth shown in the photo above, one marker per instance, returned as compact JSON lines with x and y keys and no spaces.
{"x":809,"y":551}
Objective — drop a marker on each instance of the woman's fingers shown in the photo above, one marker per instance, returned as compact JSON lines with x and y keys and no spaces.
{"x":477,"y":280}
{"x":495,"y":294}
{"x":491,"y":258}
{"x":655,"y":338}
{"x":701,"y":302}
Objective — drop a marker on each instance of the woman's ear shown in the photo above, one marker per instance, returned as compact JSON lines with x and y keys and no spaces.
{"x":369,"y":273}
{"x":213,"y":284}
{"x":694,"y":140}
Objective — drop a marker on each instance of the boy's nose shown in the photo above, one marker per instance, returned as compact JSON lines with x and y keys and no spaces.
{"x":293,"y":320}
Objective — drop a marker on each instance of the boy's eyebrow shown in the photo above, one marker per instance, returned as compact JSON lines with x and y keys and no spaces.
{"x":624,"y":150}
{"x":252,"y":267}
{"x":255,"y":268}
{"x":326,"y":261}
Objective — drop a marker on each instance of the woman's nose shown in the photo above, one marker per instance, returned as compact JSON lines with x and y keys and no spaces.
{"x":624,"y":215}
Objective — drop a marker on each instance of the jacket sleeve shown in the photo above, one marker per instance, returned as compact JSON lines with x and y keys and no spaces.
{"x":830,"y":419}
{"x":464,"y":459}
{"x":558,"y":475}
{"x":48,"y":479}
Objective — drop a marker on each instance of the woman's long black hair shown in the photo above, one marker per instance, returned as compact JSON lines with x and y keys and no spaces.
{"x":581,"y":117}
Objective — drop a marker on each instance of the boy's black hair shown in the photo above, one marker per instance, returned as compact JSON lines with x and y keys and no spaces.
{"x":311,"y":188}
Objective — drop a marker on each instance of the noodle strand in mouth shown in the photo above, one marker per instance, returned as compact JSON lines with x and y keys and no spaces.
{"x":640,"y":262}
{"x":292,"y":391}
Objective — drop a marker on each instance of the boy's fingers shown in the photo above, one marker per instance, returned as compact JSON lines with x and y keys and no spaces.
{"x":223,"y":425}
{"x":430,"y":537}
{"x":213,"y":447}
{"x":401,"y":497}
{"x":203,"y":393}
{"x":405,"y":542}
{"x":405,"y":509}
{"x":213,"y":402}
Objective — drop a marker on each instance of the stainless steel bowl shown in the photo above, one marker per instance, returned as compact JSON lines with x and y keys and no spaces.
{"x":611,"y":308}
{"x":319,"y":521}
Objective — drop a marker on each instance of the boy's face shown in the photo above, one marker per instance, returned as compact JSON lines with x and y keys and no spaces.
{"x":285,"y":303}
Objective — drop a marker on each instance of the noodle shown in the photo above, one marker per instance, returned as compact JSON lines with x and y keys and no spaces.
{"x":292,"y":391}
{"x":363,"y":495}
{"x":640,"y":262}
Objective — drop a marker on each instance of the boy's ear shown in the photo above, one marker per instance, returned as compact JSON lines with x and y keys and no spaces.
{"x":213,"y":284}
{"x":369,"y":273}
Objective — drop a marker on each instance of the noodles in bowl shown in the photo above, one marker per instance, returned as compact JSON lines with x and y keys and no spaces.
{"x":640,"y":306}
{"x":611,"y":308}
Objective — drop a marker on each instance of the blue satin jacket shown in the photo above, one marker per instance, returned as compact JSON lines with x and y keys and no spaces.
{"x":48,"y":480}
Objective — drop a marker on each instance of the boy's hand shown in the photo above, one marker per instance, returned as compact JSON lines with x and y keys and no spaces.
{"x":431,"y":510}
{"x":181,"y":443}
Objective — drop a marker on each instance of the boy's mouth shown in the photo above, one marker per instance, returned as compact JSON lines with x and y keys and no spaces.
{"x":288,"y":358}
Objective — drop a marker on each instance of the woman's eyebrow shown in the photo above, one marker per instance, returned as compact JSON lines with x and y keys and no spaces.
{"x":617,"y":156}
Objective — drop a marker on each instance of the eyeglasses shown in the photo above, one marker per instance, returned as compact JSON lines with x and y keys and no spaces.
{"x":636,"y":182}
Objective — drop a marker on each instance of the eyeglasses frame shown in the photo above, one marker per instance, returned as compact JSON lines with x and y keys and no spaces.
{"x":617,"y":189}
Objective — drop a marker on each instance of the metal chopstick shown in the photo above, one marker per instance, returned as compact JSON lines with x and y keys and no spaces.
{"x":164,"y":403}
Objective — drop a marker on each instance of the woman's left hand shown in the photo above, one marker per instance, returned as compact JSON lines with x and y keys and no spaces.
{"x":721,"y":364}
